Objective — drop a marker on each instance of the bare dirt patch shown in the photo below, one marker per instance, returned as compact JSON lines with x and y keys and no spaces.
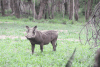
{"x":11,"y":37}
{"x":69,"y":39}
{"x":65,"y":31}
{"x":59,"y":31}
{"x":5,"y":22}
{"x":23,"y":37}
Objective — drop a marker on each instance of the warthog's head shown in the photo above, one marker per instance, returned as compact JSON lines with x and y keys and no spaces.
{"x":31,"y":32}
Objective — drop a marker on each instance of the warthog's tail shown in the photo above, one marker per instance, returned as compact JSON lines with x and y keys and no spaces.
{"x":69,"y":63}
{"x":56,"y":44}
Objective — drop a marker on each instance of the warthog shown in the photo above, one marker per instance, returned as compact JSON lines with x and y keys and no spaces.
{"x":41,"y":37}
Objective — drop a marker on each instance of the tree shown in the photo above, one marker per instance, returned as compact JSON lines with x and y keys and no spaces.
{"x":49,"y":9}
{"x":45,"y":10}
{"x":66,"y":7}
{"x":52,"y":9}
{"x":12,"y":6}
{"x":17,"y":8}
{"x":71,"y":9}
{"x":2,"y":7}
{"x":42,"y":6}
{"x":33,"y":8}
{"x":87,"y":11}
{"x":76,"y":9}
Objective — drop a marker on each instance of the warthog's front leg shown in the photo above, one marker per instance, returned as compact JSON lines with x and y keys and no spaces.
{"x":41,"y":47}
{"x":33,"y":46}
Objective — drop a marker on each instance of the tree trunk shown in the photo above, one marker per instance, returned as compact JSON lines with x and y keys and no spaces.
{"x":49,"y":8}
{"x":2,"y":8}
{"x":17,"y":8}
{"x":37,"y":7}
{"x":42,"y":5}
{"x":33,"y":9}
{"x":66,"y":8}
{"x":88,"y":9}
{"x":12,"y":6}
{"x":52,"y":9}
{"x":9,"y":4}
{"x":91,"y":8}
{"x":76,"y":9}
{"x":45,"y":11}
{"x":85,"y":10}
{"x":71,"y":10}
{"x":59,"y":6}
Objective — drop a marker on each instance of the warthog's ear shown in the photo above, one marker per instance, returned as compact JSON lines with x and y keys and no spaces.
{"x":27,"y":27}
{"x":35,"y":27}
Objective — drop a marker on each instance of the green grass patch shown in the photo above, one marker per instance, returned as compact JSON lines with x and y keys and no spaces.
{"x":17,"y":52}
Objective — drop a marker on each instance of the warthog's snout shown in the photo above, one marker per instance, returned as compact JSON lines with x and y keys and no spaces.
{"x":29,"y":37}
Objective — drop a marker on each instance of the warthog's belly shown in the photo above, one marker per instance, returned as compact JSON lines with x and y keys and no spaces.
{"x":35,"y":41}
{"x":46,"y":43}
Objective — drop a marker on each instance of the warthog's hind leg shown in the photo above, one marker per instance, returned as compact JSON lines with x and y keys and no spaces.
{"x":53,"y":44}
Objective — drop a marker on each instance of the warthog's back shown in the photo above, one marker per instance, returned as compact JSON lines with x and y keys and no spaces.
{"x":49,"y":32}
{"x":48,"y":36}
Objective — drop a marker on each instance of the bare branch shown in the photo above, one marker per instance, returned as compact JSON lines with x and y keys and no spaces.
{"x":93,"y":25}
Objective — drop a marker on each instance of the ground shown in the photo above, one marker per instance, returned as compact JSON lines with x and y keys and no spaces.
{"x":15,"y":49}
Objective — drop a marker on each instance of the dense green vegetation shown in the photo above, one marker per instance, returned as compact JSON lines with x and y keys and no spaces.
{"x":16,"y":52}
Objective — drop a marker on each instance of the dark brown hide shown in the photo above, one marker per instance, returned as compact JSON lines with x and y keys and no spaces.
{"x":41,"y":37}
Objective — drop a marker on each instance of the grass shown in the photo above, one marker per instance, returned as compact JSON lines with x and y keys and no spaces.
{"x":17,"y":52}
